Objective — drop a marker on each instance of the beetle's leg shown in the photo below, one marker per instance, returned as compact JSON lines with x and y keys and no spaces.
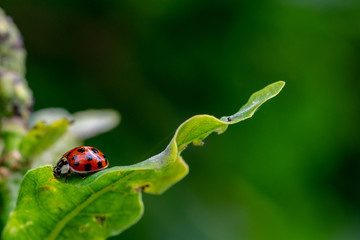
{"x":81,"y":176}
{"x":67,"y":175}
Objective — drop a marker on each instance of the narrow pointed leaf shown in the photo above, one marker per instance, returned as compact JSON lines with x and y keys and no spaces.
{"x":109,"y":201}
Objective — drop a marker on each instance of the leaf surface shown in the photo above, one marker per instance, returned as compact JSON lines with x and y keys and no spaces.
{"x":42,"y":136}
{"x":109,"y":201}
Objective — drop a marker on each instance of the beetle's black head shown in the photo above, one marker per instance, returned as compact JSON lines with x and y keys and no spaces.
{"x":61,"y":167}
{"x":57,"y":171}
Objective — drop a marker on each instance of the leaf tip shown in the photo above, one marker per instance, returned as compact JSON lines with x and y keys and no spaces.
{"x":276,"y":87}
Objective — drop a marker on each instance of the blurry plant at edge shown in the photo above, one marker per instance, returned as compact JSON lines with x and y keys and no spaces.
{"x":36,"y":205}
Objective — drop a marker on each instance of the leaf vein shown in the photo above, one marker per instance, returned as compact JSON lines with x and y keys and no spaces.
{"x":62,"y":223}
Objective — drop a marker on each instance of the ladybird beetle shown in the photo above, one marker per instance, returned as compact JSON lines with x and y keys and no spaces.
{"x":79,"y":160}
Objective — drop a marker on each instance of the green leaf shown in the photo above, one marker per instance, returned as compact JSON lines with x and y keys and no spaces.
{"x":86,"y":124}
{"x":42,"y":136}
{"x":109,"y":201}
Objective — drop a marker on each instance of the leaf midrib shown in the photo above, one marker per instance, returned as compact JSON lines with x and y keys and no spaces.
{"x":62,"y":223}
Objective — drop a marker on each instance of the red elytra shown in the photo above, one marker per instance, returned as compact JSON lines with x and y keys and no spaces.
{"x":83,"y":159}
{"x":86,"y":159}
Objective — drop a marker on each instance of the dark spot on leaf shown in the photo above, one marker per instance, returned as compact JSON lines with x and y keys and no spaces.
{"x":145,"y":186}
{"x":99,"y":164}
{"x":101,"y":219}
{"x":37,"y":136}
{"x":87,"y":167}
{"x":229,"y":119}
{"x":46,"y":187}
{"x":76,"y":163}
{"x":142,"y":188}
{"x":83,"y":228}
{"x":89,"y":157}
{"x":81,"y":150}
{"x":94,"y":150}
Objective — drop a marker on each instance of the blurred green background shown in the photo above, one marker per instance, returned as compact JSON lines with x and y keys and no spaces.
{"x":290,"y":172}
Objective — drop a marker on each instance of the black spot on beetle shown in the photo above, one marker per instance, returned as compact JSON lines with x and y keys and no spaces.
{"x":99,"y":164}
{"x":74,"y":157}
{"x":98,"y":157}
{"x":81,"y":150}
{"x":94,"y":150}
{"x":76,"y":163}
{"x":67,"y":155}
{"x":89,"y":157}
{"x":87,"y":167}
{"x":106,"y":161}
